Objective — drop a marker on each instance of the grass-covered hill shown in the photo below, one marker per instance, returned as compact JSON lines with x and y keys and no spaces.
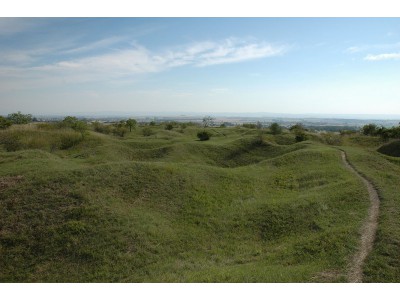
{"x":162,"y":206}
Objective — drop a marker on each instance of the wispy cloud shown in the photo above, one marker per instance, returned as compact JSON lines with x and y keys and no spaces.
{"x":132,"y":60}
{"x":107,"y":42}
{"x":383,"y":56}
{"x":364,"y":48}
{"x":231,"y":52}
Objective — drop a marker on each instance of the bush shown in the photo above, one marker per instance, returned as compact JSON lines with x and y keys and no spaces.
{"x":120,"y":131}
{"x":300,"y":136}
{"x":275,"y":128}
{"x":147,"y":131}
{"x":11,"y":141}
{"x":297,"y":127}
{"x":4,"y":123}
{"x":19,"y":118}
{"x":168,"y":126}
{"x":204,"y":135}
{"x":101,"y":128}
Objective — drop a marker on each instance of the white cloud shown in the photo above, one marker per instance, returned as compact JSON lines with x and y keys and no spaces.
{"x":231,"y":51}
{"x":95,"y":45}
{"x":364,"y":48}
{"x":384,"y":56}
{"x":119,"y":64}
{"x":353,"y":49}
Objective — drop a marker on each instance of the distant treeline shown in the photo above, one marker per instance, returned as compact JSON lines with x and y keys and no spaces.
{"x":381,"y":131}
{"x":332,"y":128}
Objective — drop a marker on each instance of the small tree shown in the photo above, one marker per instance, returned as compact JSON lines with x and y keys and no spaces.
{"x":120,"y":128}
{"x":369,"y":129}
{"x":203,"y":135}
{"x":19,"y":118}
{"x":275,"y":128}
{"x":297,"y":127}
{"x":208,"y":121}
{"x":4,"y":123}
{"x":131,"y":123}
{"x":80,"y":126}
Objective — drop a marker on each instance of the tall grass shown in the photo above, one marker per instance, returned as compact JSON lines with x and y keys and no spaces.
{"x":20,"y":138}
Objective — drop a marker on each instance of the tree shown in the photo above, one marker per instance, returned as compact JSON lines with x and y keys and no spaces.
{"x":369,"y":129}
{"x":131,"y":123}
{"x":120,"y":128}
{"x":297,"y":127}
{"x":4,"y":123}
{"x":19,"y":118}
{"x":208,"y":121}
{"x":275,"y":128}
{"x":69,"y":121}
{"x":80,"y":126}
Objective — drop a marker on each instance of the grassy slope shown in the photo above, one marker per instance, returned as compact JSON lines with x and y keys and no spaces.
{"x":169,"y":208}
{"x":383,"y":265}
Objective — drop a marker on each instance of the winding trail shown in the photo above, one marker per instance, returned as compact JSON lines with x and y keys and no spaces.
{"x":368,"y":229}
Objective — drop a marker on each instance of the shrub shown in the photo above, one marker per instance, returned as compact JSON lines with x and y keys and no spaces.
{"x":120,"y":131}
{"x":4,"y":123}
{"x":297,"y":127}
{"x":11,"y":141}
{"x":147,"y":131}
{"x":203,"y":135}
{"x":275,"y":128}
{"x":99,"y":127}
{"x":168,"y":126}
{"x":300,"y":136}
{"x":19,"y":118}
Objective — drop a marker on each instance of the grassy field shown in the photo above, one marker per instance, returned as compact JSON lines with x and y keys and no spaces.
{"x":245,"y":206}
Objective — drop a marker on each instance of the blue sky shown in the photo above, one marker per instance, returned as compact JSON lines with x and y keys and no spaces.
{"x":210,"y":65}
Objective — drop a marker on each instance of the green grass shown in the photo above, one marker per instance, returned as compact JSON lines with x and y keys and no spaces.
{"x":383,"y":265}
{"x":169,"y":208}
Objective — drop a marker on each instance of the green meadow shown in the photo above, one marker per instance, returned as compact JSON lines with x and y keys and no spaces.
{"x":160,"y":205}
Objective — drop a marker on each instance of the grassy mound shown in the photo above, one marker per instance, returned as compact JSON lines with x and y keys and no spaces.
{"x":168,"y":208}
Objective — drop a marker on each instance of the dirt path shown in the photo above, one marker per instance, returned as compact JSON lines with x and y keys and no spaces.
{"x":368,"y":230}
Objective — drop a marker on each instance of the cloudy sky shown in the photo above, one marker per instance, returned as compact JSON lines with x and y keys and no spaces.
{"x":155,"y":65}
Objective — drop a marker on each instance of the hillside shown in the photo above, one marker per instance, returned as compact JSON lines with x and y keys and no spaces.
{"x":169,"y":208}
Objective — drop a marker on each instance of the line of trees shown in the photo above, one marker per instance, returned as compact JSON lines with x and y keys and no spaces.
{"x":15,"y":118}
{"x":381,"y":131}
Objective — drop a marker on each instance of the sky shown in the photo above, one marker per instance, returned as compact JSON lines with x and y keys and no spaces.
{"x":200,"y":65}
